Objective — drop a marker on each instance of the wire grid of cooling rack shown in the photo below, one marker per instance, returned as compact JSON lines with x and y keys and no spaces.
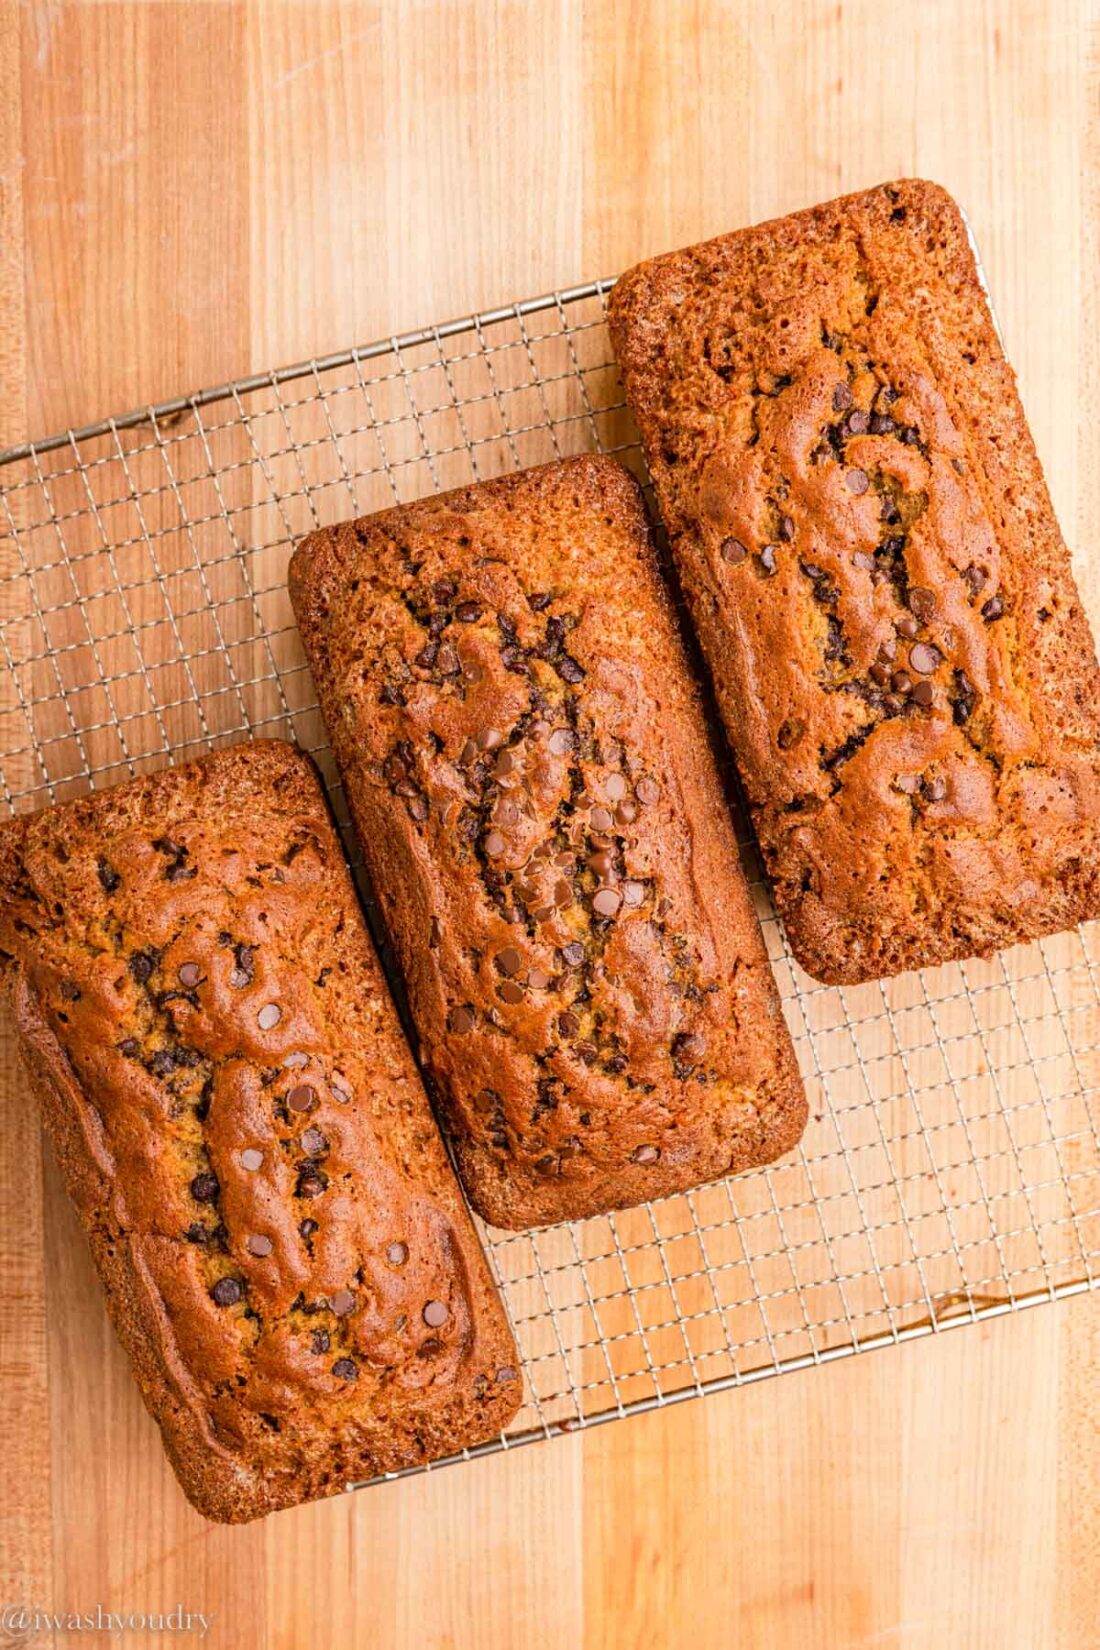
{"x":951,"y":1167}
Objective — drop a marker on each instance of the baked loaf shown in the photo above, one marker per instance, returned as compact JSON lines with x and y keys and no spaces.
{"x":877,"y":579}
{"x":523,"y":753}
{"x":239,"y":1121}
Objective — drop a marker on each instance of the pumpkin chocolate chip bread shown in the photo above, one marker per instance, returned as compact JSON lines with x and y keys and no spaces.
{"x":526,"y":763}
{"x":239,"y":1121}
{"x":877,"y":578}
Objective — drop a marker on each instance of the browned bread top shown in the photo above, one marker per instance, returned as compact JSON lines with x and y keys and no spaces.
{"x":244,"y":1133}
{"x":878,"y":581}
{"x":524,"y":755}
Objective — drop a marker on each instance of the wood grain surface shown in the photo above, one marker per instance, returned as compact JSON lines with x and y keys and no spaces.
{"x":191,"y":191}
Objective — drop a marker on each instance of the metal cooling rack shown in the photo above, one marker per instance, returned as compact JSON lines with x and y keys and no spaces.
{"x":951,"y":1168}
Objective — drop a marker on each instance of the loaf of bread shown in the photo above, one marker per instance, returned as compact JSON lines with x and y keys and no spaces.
{"x":524,"y":757}
{"x":885,"y":603}
{"x":241,"y":1126}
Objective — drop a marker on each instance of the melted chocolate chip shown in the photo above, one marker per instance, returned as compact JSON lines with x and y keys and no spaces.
{"x":108,"y":876}
{"x":992,"y":609}
{"x":205,"y":1188}
{"x":227,"y":1291}
{"x":345,"y":1369}
{"x":461,"y":1020}
{"x":319,"y":1341}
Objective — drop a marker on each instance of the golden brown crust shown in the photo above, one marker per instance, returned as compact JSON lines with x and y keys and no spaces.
{"x":146,"y":936}
{"x":859,"y":516}
{"x":524,"y":756}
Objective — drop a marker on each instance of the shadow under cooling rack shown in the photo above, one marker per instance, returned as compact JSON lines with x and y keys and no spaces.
{"x":950,"y":1171}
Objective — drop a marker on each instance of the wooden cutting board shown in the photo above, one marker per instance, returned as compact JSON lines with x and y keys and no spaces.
{"x":193,"y":191}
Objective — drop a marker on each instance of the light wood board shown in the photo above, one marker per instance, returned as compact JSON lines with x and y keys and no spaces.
{"x":191,"y":191}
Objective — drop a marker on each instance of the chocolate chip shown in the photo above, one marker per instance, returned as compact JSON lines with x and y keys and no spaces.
{"x":786,"y":528}
{"x":857,"y":422}
{"x":924,"y":658}
{"x":70,"y":991}
{"x":205,"y":1188}
{"x":179,"y":872}
{"x":861,"y":558}
{"x":647,"y":790}
{"x":494,"y":845}
{"x":435,"y":1314}
{"x":882,"y":424}
{"x":313,"y":1142}
{"x":573,"y":953}
{"x":343,"y":1302}
{"x":417,"y":808}
{"x":311,"y":1183}
{"x":444,"y":591}
{"x":129,"y":1046}
{"x":901,"y":681}
{"x":141,"y":966}
{"x":506,"y":1373}
{"x":538,"y":979}
{"x":259,"y":1245}
{"x":606,"y":902}
{"x":923,"y":694}
{"x":568,"y":669}
{"x":893,"y":703}
{"x":345,"y":1369}
{"x":907,"y":626}
{"x":489,"y":739}
{"x":645,"y":1154}
{"x":732,"y":551}
{"x":227,"y":1291}
{"x":509,"y":992}
{"x":108,"y":876}
{"x":935,"y":789}
{"x":767,"y":562}
{"x":189,"y":974}
{"x":909,"y":783}
{"x":993,"y":608}
{"x":461,"y":1020}
{"x":467,"y":612}
{"x":921,"y":602}
{"x":251,"y":1158}
{"x":509,"y":961}
{"x":163,"y":1063}
{"x":307,"y":1228}
{"x":319,"y":1341}
{"x":600,"y":819}
{"x":842,"y":397}
{"x":975,"y":578}
{"x":448,"y":660}
{"x":563,"y":893}
{"x":397,"y":1254}
{"x":857,"y":481}
{"x":561,"y":741}
{"x":879,"y":674}
{"x":790,"y":732}
{"x":689,"y":1045}
{"x":568,"y":1024}
{"x":340,"y":1090}
{"x":614,"y":787}
{"x":633,"y":893}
